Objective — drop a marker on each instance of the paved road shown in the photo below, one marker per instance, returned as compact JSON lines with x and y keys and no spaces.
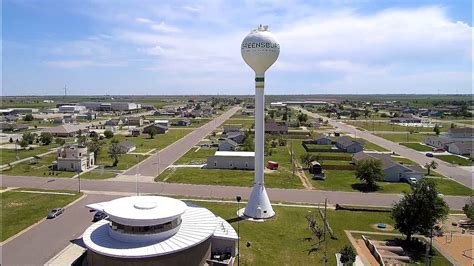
{"x":158,"y":162}
{"x":212,"y":191}
{"x":39,"y":244}
{"x":460,"y":175}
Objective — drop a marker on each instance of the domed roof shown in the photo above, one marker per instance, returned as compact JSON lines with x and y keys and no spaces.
{"x":260,"y":49}
{"x":143,"y":210}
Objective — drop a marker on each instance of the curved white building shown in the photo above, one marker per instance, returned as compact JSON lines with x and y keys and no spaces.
{"x":155,"y":230}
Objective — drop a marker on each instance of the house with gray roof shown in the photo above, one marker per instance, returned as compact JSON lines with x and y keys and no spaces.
{"x":127,"y":146}
{"x":228,"y":145}
{"x":322,"y":140}
{"x":238,"y":137}
{"x":393,"y":171}
{"x":461,"y":148}
{"x":347,"y":144}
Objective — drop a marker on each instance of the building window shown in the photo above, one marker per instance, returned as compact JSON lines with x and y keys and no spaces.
{"x":72,"y":166}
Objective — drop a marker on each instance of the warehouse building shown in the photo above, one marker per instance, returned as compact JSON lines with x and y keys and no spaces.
{"x":243,"y":160}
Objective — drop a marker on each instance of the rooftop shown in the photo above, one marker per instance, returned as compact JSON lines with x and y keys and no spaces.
{"x":235,"y":153}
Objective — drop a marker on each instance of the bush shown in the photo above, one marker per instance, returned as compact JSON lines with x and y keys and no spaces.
{"x":108,"y":134}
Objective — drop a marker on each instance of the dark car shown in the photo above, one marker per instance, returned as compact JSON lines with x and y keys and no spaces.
{"x":99,"y":216}
{"x":429,"y":154}
{"x":55,"y":213}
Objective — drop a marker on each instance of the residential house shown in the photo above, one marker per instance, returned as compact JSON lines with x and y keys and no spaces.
{"x":393,"y":171}
{"x":322,"y":140}
{"x":231,"y":160}
{"x":135,"y":132}
{"x":74,"y":158}
{"x":461,"y":148}
{"x":165,"y":123}
{"x":276,"y":127}
{"x":347,"y":144}
{"x":183,"y":123}
{"x":67,"y":130}
{"x":453,"y":135}
{"x":238,"y":137}
{"x":159,"y":129}
{"x":228,"y":145}
{"x":135,"y":121}
{"x":232,"y":128}
{"x":58,"y":120}
{"x":127,"y":146}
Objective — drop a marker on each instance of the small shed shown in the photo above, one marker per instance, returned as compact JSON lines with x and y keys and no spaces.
{"x":315,"y":168}
{"x":272,"y":165}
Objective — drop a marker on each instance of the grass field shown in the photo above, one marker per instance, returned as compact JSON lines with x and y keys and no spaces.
{"x":246,"y":123}
{"x":416,"y":146}
{"x":36,"y":168}
{"x":20,"y":210}
{"x":9,"y":155}
{"x":386,"y":126}
{"x":282,"y":239}
{"x":160,"y":141}
{"x":403,"y":137}
{"x":98,"y":174}
{"x":196,"y":156}
{"x":454,"y":159}
{"x":282,"y":178}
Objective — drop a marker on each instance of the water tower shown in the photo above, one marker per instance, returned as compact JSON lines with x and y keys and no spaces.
{"x":260,"y":50}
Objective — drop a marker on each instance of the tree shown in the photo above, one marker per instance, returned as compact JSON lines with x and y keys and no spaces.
{"x":369,"y":171}
{"x":115,"y":152}
{"x":60,"y":141}
{"x":28,"y":117}
{"x":152,"y":132}
{"x":306,"y":159}
{"x":285,"y":117}
{"x":469,"y":210}
{"x":81,"y":140}
{"x":431,"y":165}
{"x":46,"y":138}
{"x":436,"y":130}
{"x":29,"y":137}
{"x":95,"y":146}
{"x":271,"y":114}
{"x":302,"y":118}
{"x":348,"y":255}
{"x":419,"y":210}
{"x":366,"y":112}
{"x":23,"y":143}
{"x":10,"y":140}
{"x":108,"y":134}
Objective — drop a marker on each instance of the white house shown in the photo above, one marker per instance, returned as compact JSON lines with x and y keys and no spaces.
{"x":74,"y":158}
{"x":461,"y":148}
{"x":231,"y":160}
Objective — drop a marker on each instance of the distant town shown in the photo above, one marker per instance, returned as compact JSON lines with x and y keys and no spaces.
{"x":358,"y":154}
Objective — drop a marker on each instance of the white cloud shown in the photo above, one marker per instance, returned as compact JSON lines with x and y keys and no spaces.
{"x":143,"y":20}
{"x":162,"y":27}
{"x":81,"y":63}
{"x":191,"y":8}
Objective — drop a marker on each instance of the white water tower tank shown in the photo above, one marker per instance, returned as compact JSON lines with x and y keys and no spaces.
{"x":260,"y":49}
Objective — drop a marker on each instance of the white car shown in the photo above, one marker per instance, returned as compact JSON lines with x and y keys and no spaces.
{"x":412,"y":180}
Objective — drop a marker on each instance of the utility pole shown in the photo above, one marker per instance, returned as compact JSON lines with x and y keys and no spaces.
{"x":238,"y":198}
{"x":325,"y":258}
{"x":137,"y":172}
{"x":79,"y":178}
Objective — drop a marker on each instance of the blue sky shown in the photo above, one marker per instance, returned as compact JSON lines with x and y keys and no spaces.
{"x":193,"y":47}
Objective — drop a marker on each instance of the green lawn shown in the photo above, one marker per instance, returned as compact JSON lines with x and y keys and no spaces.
{"x":9,"y":155}
{"x":454,"y":159}
{"x":98,"y":174}
{"x":37,"y":168}
{"x":372,"y":146}
{"x":196,"y":156}
{"x":416,"y":146}
{"x":447,"y":186}
{"x":403,"y":137}
{"x":386,"y":126}
{"x":125,"y":161}
{"x":281,"y":240}
{"x":282,"y":178}
{"x":20,"y":210}
{"x":160,"y":141}
{"x":246,"y":123}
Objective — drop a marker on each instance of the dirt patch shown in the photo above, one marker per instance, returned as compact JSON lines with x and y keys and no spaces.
{"x":388,"y":228}
{"x":15,"y":204}
{"x":458,"y":247}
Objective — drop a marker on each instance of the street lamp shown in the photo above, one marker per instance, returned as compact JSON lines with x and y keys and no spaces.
{"x":238,"y":198}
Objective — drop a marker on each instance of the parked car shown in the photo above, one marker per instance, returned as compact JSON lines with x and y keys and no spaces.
{"x":55,"y":213}
{"x":412,"y":180}
{"x":429,"y":154}
{"x":438,"y":150}
{"x":99,"y":216}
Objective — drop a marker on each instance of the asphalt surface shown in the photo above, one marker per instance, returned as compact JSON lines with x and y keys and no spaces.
{"x":158,"y":162}
{"x":458,"y":174}
{"x":212,"y":191}
{"x":42,"y":242}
